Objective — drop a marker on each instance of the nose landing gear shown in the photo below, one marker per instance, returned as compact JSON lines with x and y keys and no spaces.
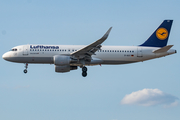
{"x":84,"y":71}
{"x":26,"y":66}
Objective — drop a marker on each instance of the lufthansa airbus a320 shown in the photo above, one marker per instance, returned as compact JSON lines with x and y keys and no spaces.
{"x":70,"y":57}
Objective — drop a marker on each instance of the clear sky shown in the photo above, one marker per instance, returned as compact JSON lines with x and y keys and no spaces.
{"x":145,"y":91}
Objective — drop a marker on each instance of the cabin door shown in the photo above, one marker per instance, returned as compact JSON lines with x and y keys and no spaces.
{"x":139,"y":52}
{"x":25,"y":49}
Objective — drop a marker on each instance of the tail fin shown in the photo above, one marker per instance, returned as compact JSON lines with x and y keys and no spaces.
{"x":160,"y":36}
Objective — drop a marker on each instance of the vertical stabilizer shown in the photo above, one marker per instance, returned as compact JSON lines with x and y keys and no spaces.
{"x":160,"y":36}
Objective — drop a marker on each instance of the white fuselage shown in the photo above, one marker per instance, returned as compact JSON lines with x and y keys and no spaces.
{"x":107,"y":55}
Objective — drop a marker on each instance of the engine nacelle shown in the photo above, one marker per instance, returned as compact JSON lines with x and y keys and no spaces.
{"x":64,"y":68}
{"x":61,"y":60}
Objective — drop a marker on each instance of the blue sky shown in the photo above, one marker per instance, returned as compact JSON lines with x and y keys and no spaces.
{"x":44,"y":94}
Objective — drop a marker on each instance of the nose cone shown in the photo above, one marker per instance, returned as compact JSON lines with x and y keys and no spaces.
{"x":5,"y":56}
{"x":9,"y":56}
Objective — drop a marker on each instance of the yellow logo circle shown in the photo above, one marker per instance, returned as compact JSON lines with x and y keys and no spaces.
{"x":162,"y":33}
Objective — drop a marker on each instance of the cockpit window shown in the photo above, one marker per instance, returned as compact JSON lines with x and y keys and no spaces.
{"x":14,"y":49}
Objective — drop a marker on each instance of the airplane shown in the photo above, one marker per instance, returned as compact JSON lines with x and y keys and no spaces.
{"x":70,"y":57}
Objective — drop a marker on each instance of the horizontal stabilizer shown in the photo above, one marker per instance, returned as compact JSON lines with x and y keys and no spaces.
{"x":163,"y":49}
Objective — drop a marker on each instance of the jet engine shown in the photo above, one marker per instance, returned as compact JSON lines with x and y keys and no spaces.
{"x":62,"y":63}
{"x":61,"y":60}
{"x":64,"y":68}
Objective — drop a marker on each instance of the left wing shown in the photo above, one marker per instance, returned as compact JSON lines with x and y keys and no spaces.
{"x":89,"y":50}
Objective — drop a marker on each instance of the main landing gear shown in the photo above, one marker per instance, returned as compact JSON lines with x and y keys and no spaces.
{"x":26,"y":66}
{"x":84,"y":71}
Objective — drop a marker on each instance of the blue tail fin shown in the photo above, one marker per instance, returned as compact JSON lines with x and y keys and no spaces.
{"x":160,"y":36}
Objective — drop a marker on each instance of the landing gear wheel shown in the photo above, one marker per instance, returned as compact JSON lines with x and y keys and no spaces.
{"x":26,"y":66}
{"x":84,"y":69}
{"x":84,"y":74}
{"x":25,"y":71}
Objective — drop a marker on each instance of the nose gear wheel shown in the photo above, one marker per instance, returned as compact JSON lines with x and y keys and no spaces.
{"x":26,"y":66}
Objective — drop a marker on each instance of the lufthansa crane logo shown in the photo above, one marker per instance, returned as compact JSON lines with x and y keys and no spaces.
{"x":162,"y":33}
